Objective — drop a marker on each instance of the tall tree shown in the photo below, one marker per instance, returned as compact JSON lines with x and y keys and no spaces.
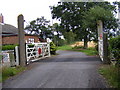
{"x":71,"y":16}
{"x":98,"y":13}
{"x":40,"y":27}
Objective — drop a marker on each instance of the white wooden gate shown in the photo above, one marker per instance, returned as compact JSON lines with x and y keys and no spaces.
{"x":36,"y":51}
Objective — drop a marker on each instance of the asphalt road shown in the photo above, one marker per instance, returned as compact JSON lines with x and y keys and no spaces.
{"x":69,"y":69}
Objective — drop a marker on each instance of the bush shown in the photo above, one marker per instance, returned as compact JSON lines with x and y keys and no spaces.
{"x":8,"y":47}
{"x":114,"y":47}
{"x":53,"y":48}
{"x":62,"y":42}
{"x":70,"y":37}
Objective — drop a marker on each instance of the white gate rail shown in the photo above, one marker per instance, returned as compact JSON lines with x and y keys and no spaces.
{"x":36,"y":51}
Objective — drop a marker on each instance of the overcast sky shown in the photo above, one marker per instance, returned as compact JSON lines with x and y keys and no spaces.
{"x":31,"y":9}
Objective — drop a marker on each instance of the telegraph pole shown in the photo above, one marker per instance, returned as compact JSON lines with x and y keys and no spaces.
{"x":21,"y":36}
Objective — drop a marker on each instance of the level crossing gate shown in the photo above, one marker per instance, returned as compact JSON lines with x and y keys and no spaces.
{"x":36,"y":51}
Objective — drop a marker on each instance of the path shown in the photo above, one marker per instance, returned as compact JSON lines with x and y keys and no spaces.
{"x":69,"y":69}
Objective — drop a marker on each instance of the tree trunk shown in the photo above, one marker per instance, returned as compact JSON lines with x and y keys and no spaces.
{"x":85,"y":42}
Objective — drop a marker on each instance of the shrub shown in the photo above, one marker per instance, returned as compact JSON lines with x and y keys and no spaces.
{"x":62,"y":42}
{"x":114,"y":47}
{"x":53,"y":48}
{"x":8,"y":47}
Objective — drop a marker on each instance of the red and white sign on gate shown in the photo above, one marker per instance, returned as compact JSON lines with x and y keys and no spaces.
{"x":39,"y":51}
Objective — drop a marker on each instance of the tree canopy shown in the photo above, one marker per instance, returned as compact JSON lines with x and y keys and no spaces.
{"x":40,"y":27}
{"x":81,"y":17}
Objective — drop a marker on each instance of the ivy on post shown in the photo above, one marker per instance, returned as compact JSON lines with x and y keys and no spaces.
{"x":21,"y":36}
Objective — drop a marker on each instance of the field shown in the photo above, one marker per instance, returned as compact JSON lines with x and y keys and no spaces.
{"x":81,"y":43}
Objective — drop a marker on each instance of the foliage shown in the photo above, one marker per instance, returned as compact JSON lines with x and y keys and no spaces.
{"x":73,"y":15}
{"x":57,"y":38}
{"x":70,"y":37}
{"x":110,"y":72}
{"x":40,"y":27}
{"x":58,"y":41}
{"x":8,"y":47}
{"x":115,"y":48}
{"x":53,"y":48}
{"x":62,"y":42}
{"x":10,"y":71}
{"x":98,"y":13}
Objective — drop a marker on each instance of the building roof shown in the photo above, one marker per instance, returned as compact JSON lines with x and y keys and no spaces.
{"x":10,"y":30}
{"x":7,"y":28}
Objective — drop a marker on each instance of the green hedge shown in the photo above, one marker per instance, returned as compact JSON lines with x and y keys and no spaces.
{"x":114,"y":47}
{"x":8,"y":47}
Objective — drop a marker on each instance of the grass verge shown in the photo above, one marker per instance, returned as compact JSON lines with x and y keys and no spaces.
{"x":88,"y":51}
{"x":7,"y":72}
{"x":65,"y":47}
{"x":110,"y":72}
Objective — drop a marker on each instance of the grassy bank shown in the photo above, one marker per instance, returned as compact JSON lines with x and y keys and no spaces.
{"x":7,"y":72}
{"x":65,"y":47}
{"x":88,"y":51}
{"x":110,"y":72}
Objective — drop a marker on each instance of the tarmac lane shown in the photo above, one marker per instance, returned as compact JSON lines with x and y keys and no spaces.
{"x":69,"y":69}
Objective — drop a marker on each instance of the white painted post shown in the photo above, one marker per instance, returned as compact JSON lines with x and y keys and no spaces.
{"x":49,"y":48}
{"x":17,"y":56}
{"x":43,"y":50}
{"x":48,"y":45}
{"x":100,"y":38}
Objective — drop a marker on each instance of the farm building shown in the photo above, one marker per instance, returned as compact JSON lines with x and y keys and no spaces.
{"x":10,"y":34}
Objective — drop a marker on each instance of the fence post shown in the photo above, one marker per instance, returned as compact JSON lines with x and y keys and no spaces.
{"x":100,"y":38}
{"x":17,"y":56}
{"x":106,"y":60}
{"x":48,"y":48}
{"x":21,"y":40}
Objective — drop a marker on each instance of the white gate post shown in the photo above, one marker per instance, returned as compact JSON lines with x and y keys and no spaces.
{"x":100,"y":38}
{"x":102,"y":43}
{"x":17,"y":56}
{"x":48,"y":46}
